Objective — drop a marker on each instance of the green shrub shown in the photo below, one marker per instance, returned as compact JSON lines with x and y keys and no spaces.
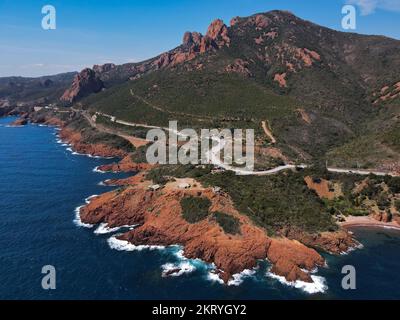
{"x":394,"y":184}
{"x":195,"y":209}
{"x":397,"y":205}
{"x":228,"y":223}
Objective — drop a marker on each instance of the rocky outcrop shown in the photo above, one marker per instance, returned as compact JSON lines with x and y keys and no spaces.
{"x":387,"y":93}
{"x":239,"y":66}
{"x":103,"y":68}
{"x":84,"y":83}
{"x":289,"y":257}
{"x":218,"y":32}
{"x":281,"y":79}
{"x":95,"y":149}
{"x":382,"y":216}
{"x":194,"y":43}
{"x":125,"y":165}
{"x":161,"y":223}
{"x":333,"y":242}
{"x":20,"y":122}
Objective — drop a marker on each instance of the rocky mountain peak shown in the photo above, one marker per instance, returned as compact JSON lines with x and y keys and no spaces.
{"x":84,"y":83}
{"x":103,"y":68}
{"x":218,"y":32}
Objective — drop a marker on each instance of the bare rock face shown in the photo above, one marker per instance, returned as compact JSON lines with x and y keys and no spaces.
{"x":125,"y":165}
{"x":385,"y":217}
{"x":19,"y":122}
{"x":90,"y":81}
{"x":234,"y":21}
{"x":333,"y":242}
{"x":261,"y":21}
{"x":193,"y":44}
{"x":103,"y":68}
{"x":84,"y":83}
{"x":218,"y":32}
{"x":239,"y":66}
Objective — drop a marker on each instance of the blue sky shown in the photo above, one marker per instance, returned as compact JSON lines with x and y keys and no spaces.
{"x":98,"y":31}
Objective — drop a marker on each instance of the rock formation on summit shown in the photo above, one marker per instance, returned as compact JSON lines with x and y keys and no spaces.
{"x":84,"y":83}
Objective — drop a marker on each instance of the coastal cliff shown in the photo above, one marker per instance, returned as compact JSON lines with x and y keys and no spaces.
{"x":160,"y":220}
{"x":79,"y":145}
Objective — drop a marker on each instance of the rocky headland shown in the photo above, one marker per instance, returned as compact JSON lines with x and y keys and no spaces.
{"x":159,"y":216}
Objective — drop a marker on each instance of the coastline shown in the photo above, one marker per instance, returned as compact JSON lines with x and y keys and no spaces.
{"x":284,"y":265}
{"x":367,"y":222}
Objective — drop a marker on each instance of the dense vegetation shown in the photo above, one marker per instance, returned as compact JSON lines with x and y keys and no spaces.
{"x":228,"y":223}
{"x":273,"y":202}
{"x":195,"y":209}
{"x":284,"y":200}
{"x":41,"y":90}
{"x":91,"y":136}
{"x":276,"y":201}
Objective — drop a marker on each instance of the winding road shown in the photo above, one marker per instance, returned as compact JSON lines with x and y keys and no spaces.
{"x":214,"y":153}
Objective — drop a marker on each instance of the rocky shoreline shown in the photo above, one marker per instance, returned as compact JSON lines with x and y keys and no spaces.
{"x":158,"y":216}
{"x":70,"y":136}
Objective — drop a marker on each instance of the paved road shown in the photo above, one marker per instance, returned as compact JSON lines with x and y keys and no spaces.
{"x":214,"y":158}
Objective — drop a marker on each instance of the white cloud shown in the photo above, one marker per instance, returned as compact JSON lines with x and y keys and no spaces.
{"x":369,"y":6}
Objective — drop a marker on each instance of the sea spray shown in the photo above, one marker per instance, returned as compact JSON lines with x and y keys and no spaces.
{"x":122,"y":245}
{"x":104,"y":229}
{"x":176,"y":270}
{"x":77,"y":220}
{"x":97,"y":170}
{"x":318,"y":284}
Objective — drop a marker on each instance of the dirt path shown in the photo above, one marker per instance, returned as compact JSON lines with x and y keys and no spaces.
{"x":265,"y":126}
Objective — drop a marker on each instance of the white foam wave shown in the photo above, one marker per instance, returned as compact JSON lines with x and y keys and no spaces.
{"x":75,"y":153}
{"x":179,"y":269}
{"x":87,"y":200}
{"x":78,"y":221}
{"x":122,"y":245}
{"x":214,"y":277}
{"x":318,"y":284}
{"x":238,"y":278}
{"x":351,"y":249}
{"x":391,"y":228}
{"x":96,"y":169}
{"x":104,"y":229}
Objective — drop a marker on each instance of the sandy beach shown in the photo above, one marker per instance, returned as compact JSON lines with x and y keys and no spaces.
{"x":353,"y":221}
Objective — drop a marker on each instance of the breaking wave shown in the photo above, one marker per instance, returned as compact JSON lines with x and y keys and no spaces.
{"x":78,"y":221}
{"x":122,"y":245}
{"x":176,"y":270}
{"x":317,"y":286}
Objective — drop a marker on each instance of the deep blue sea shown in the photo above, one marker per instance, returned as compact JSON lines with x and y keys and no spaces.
{"x":42,"y":183}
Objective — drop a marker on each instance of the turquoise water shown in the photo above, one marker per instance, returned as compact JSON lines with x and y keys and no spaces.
{"x":42,"y":183}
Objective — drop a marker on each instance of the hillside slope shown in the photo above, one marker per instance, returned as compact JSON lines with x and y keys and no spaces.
{"x":319,"y":89}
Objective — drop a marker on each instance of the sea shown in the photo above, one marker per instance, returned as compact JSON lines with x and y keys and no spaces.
{"x":42,"y":183}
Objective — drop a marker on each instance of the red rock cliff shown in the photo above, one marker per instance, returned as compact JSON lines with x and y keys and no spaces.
{"x":84,"y":83}
{"x":161,"y":223}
